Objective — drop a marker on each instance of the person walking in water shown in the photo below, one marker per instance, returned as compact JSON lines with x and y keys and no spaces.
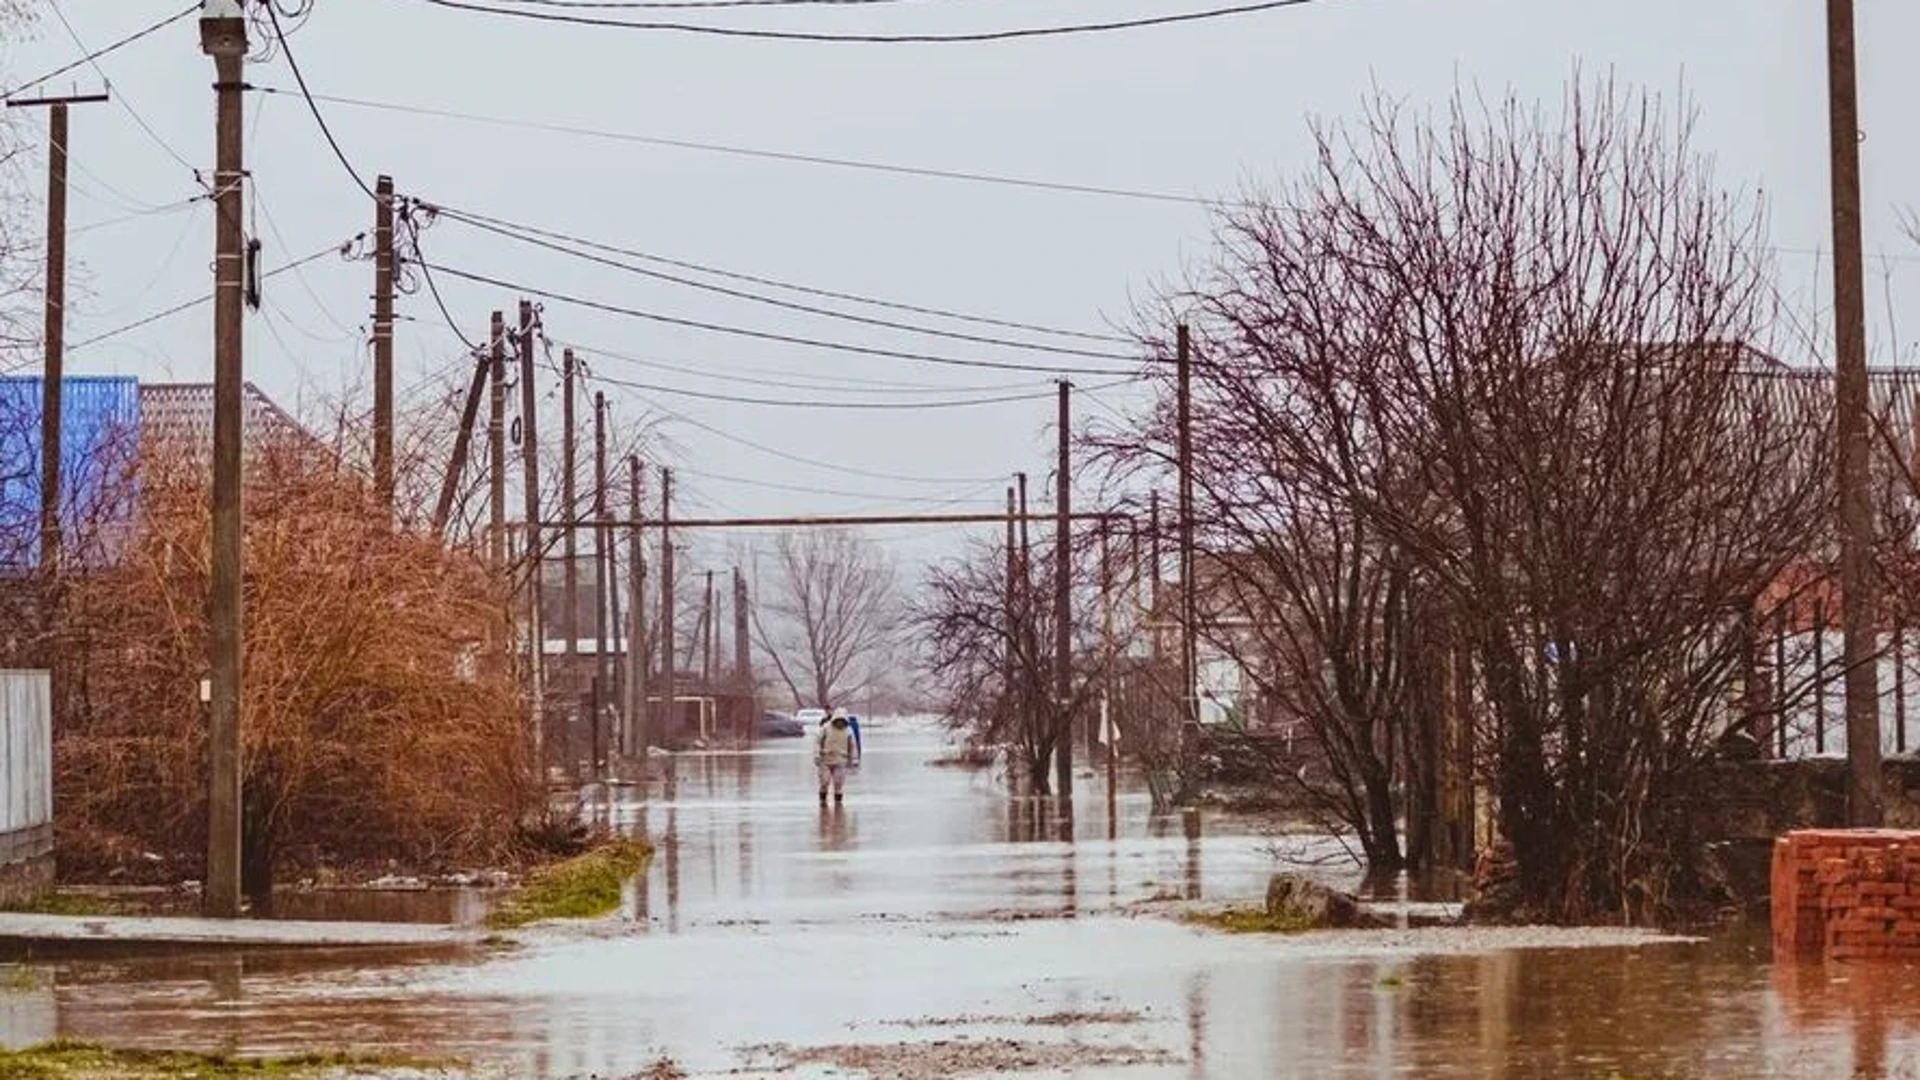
{"x":832,"y":751}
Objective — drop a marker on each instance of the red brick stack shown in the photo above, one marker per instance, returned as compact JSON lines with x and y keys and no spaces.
{"x":1847,"y":894}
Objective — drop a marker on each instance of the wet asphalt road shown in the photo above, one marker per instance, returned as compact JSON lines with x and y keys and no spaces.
{"x":934,"y":897}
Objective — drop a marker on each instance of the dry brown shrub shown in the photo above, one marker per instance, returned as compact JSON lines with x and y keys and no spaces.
{"x":381,"y":721}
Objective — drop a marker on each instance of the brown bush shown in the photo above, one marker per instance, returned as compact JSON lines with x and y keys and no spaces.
{"x":381,"y":720}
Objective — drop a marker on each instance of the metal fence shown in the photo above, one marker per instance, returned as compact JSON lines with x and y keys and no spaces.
{"x":26,"y":765}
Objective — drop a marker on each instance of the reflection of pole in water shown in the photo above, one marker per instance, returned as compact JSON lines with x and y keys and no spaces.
{"x":1190,"y":824}
{"x":643,"y":902}
{"x":670,"y":845}
{"x":1197,"y":1027}
{"x":223,"y":976}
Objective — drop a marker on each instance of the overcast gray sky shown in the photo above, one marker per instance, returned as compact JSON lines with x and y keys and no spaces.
{"x":1203,"y":108}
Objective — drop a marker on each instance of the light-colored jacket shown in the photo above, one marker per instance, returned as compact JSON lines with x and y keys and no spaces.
{"x":834,"y":746}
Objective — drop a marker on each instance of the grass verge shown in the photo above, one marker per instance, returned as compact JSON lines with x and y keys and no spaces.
{"x":65,"y":1060}
{"x":59,"y":903}
{"x":1250,"y":921}
{"x":583,"y":887}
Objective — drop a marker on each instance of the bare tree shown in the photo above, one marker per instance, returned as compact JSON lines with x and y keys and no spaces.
{"x":1510,"y":359}
{"x":829,"y":617}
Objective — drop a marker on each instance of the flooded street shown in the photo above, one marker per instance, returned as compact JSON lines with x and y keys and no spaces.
{"x":773,"y":935}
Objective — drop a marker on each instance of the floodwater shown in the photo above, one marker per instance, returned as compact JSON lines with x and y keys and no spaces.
{"x":934,"y":907}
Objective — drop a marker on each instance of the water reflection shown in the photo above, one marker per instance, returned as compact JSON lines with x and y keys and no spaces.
{"x":917,"y":881}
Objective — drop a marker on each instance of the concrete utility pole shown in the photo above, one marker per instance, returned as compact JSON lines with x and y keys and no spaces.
{"x":497,"y":443}
{"x":1063,"y":601}
{"x":536,"y":563}
{"x":383,"y":343}
{"x":570,"y":498}
{"x":602,"y":557}
{"x":667,"y":682}
{"x":1189,"y":626}
{"x":637,"y":660}
{"x":223,"y":36}
{"x":462,"y":444}
{"x":56,"y":323}
{"x":742,"y":643}
{"x":708,"y":621}
{"x":1858,"y":587}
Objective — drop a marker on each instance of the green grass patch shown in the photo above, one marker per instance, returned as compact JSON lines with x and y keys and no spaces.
{"x":1250,"y":921}
{"x":583,"y":887}
{"x":59,"y":903}
{"x":66,"y":1060}
{"x":1391,"y":982}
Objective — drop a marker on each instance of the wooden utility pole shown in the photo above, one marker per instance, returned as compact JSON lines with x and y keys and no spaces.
{"x":497,"y":444}
{"x":1189,"y":649}
{"x":602,"y":557}
{"x":383,"y":343}
{"x":56,"y":324}
{"x":462,"y":444}
{"x":1063,"y":601}
{"x":667,"y":681}
{"x":536,"y":562}
{"x":637,"y":660}
{"x":1858,"y":589}
{"x":224,"y":37}
{"x":1031,"y":679}
{"x":570,"y":499}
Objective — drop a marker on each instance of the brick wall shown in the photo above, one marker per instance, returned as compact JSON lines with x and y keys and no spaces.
{"x":1847,"y":894}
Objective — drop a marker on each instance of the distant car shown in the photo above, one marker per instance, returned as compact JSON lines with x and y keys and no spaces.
{"x":811,"y":717}
{"x":775,"y":725}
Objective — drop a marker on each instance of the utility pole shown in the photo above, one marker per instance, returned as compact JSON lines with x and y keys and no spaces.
{"x":1011,"y":608}
{"x":570,"y":498}
{"x":383,"y":344}
{"x":536,"y":562}
{"x":602,"y":557}
{"x":497,"y":443}
{"x":1860,"y":599}
{"x":56,"y":327}
{"x":1029,"y":635}
{"x":667,"y":683}
{"x":637,"y":660}
{"x":742,"y":639}
{"x":1063,"y":600}
{"x":1105,"y":726}
{"x":1189,"y":652}
{"x":708,"y":624}
{"x":223,"y":36}
{"x":462,"y":444}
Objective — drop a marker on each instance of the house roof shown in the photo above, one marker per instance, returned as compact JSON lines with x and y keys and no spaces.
{"x":182,"y":414}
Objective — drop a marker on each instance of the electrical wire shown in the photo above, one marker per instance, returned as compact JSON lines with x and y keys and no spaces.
{"x":1062,"y":187}
{"x":801,"y":489}
{"x":690,"y":5}
{"x":766,"y":335}
{"x":96,"y":54}
{"x":121,"y":99}
{"x":817,"y":403}
{"x":1070,"y":29}
{"x":313,"y":106}
{"x":300,"y":275}
{"x":798,"y":459}
{"x":587,"y":352}
{"x":197,"y":301}
{"x":787,"y":305}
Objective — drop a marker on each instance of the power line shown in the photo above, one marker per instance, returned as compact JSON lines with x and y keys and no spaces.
{"x":816,"y":403}
{"x":691,"y":5}
{"x":766,"y":335}
{"x":799,"y":459}
{"x":869,"y":388}
{"x":1063,"y":187}
{"x":93,"y":60}
{"x":313,"y":106}
{"x":1075,"y":29}
{"x":525,"y":237}
{"x":801,"y":489}
{"x":197,"y":301}
{"x":96,"y":54}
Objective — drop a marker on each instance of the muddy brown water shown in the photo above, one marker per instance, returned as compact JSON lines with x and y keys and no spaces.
{"x":934,"y":907}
